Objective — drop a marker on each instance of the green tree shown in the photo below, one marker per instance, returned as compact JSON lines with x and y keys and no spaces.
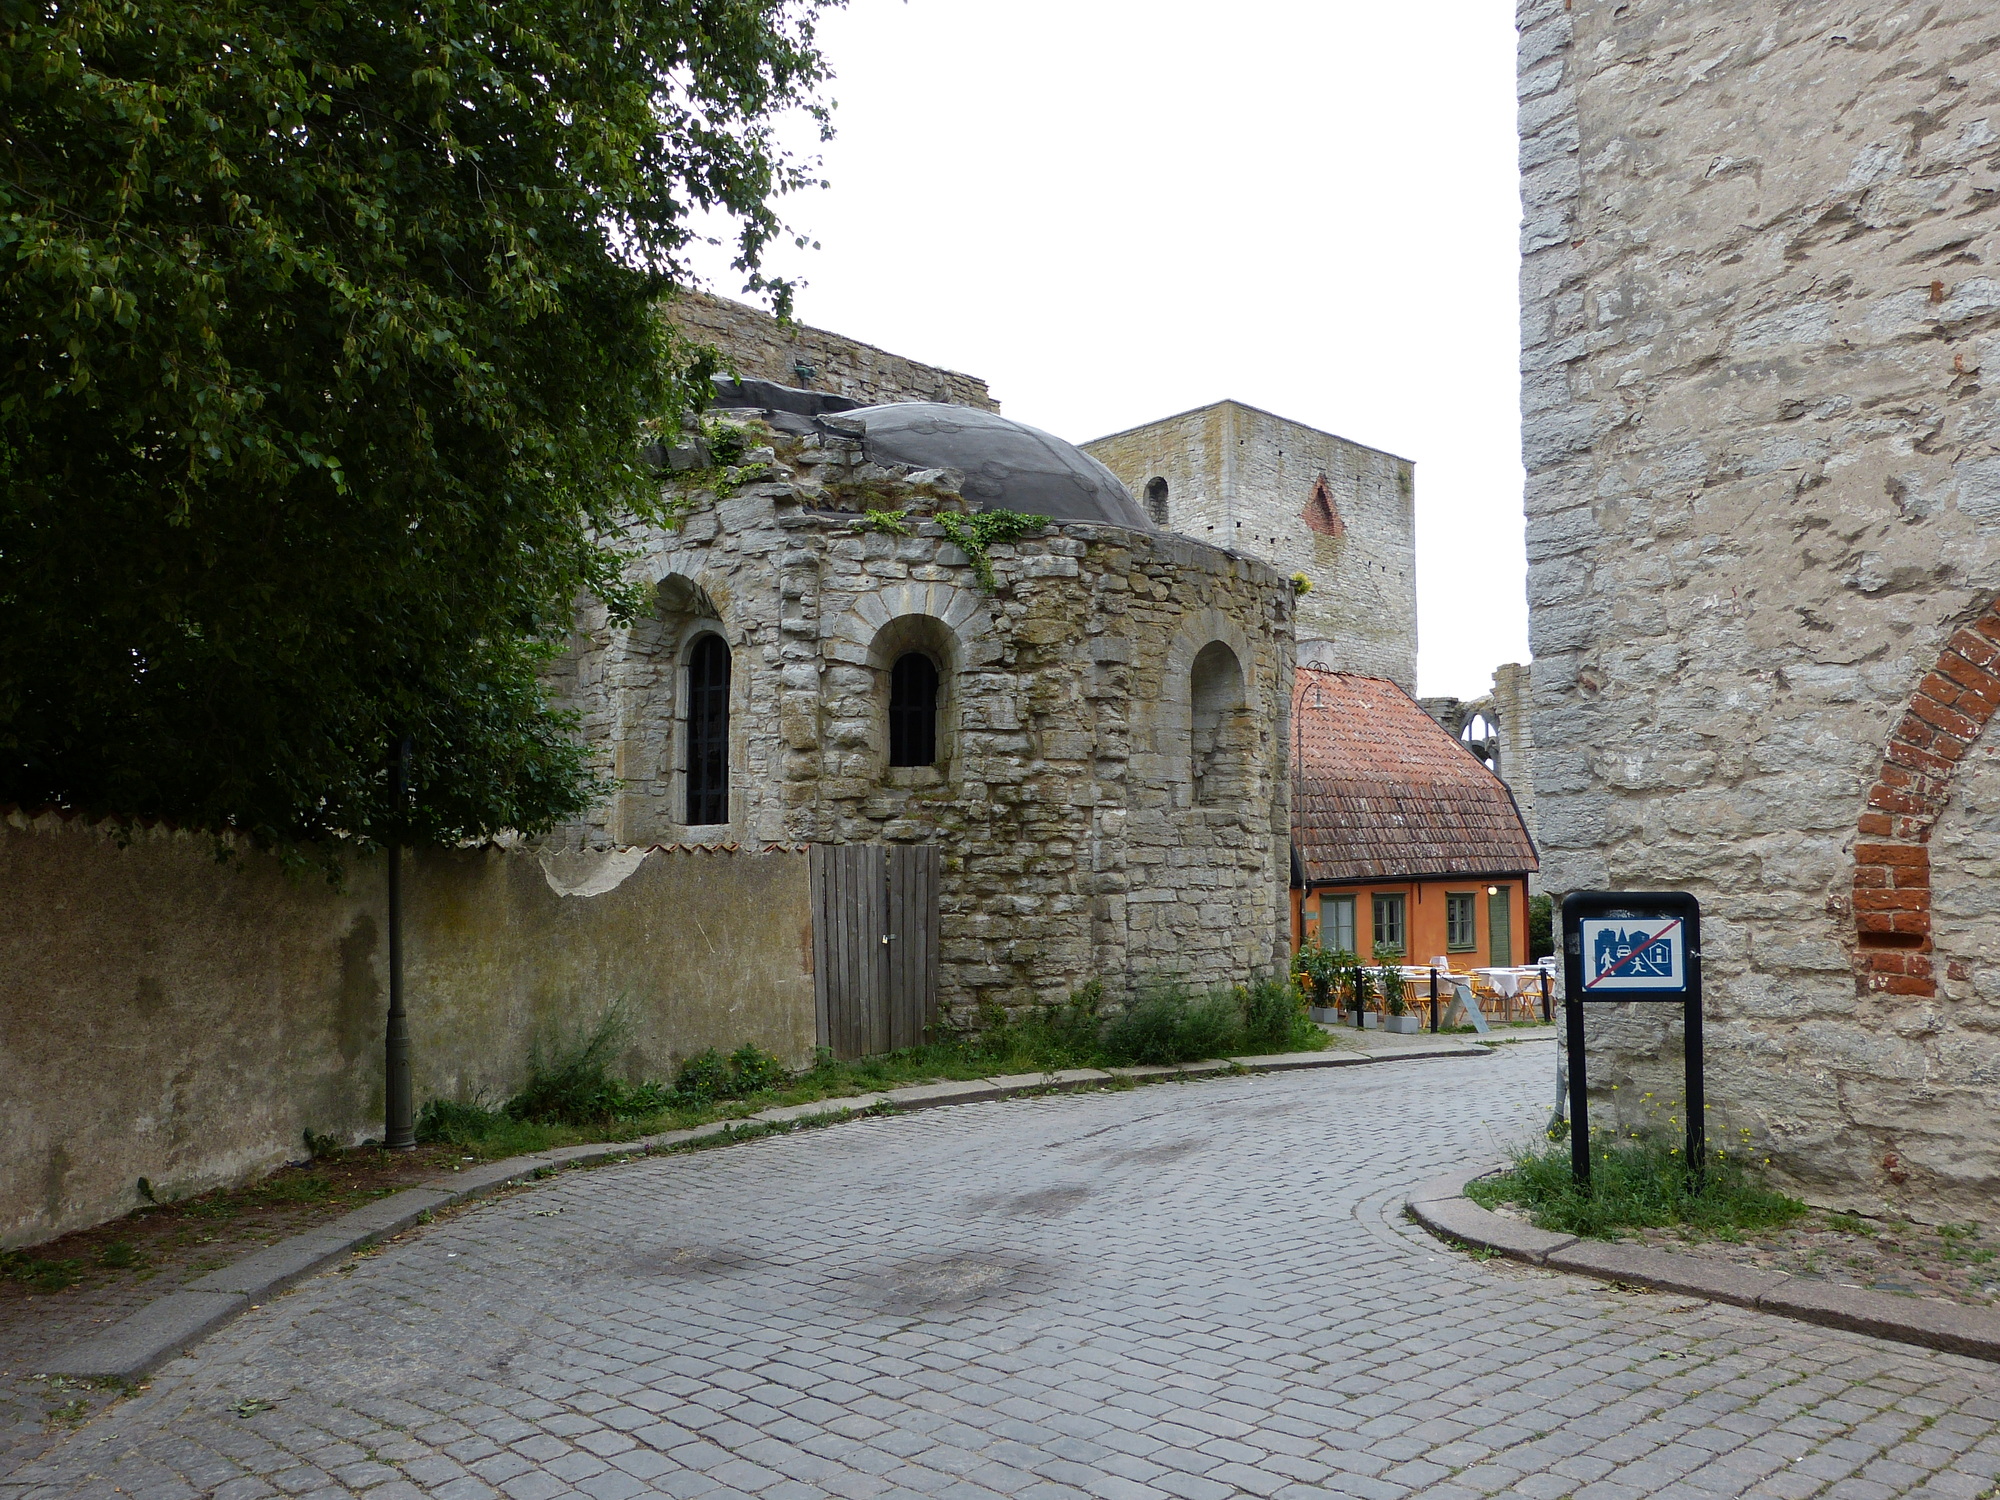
{"x":331,"y":353}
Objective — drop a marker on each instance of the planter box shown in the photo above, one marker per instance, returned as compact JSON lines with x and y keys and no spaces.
{"x":1326,"y":1015}
{"x":1402,"y":1025}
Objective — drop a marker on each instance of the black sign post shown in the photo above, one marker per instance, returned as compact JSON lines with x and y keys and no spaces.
{"x":1632,"y":946}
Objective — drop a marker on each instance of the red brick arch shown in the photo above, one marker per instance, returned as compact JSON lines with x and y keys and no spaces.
{"x":1892,"y":857}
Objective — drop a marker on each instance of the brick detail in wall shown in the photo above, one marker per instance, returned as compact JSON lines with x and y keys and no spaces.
{"x":1892,"y":863}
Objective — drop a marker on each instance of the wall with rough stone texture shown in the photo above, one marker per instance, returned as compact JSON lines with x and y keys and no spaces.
{"x":756,"y":346}
{"x":1242,"y":479}
{"x":163,"y":1015}
{"x":1758,"y":307}
{"x":1090,"y":827}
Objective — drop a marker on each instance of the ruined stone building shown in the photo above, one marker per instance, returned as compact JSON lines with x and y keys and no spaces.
{"x":1497,"y":727}
{"x":1340,"y":515}
{"x":1087,"y":722}
{"x":1759,"y":313}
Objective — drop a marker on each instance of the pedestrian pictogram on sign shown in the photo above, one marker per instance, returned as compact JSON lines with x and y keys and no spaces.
{"x":1628,"y":954}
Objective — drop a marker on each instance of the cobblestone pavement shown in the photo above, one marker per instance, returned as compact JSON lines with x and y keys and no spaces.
{"x":1193,"y":1290}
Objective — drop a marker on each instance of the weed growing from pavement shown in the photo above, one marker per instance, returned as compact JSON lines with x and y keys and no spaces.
{"x":1639,"y":1181}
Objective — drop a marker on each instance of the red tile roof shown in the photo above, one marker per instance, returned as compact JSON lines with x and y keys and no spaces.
{"x":1381,"y":791}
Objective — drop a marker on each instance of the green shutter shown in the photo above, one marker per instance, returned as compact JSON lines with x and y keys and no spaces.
{"x":1500,"y":927}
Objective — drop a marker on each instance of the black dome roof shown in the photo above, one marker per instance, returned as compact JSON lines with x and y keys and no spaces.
{"x":1007,"y":465}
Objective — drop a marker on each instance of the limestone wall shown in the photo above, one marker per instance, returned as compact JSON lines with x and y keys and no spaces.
{"x":166,"y":1016}
{"x":756,"y":346}
{"x":1758,"y":300}
{"x":1090,"y":827}
{"x":1244,"y":479}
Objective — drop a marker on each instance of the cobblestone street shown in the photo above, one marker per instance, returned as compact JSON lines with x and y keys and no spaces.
{"x":1193,"y":1290}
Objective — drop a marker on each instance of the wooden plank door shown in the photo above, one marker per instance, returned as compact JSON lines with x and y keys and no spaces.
{"x":1500,"y":927}
{"x":875,"y":945}
{"x":912,"y":934}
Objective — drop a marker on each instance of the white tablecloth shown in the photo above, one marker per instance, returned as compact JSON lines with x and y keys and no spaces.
{"x":1513,"y":981}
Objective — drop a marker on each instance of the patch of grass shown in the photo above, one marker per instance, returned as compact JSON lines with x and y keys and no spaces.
{"x":120,"y":1255}
{"x":571,"y":1096}
{"x":1635,"y":1183}
{"x":39,"y":1274}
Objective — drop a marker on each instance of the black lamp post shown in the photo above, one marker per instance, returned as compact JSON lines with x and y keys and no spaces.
{"x":399,"y":1124}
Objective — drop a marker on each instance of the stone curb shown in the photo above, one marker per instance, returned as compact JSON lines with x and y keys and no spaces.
{"x":138,"y":1344}
{"x":1442,"y":1208}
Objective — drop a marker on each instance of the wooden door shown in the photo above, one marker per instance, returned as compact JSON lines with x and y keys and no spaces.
{"x":875,"y":945}
{"x":1500,"y":927}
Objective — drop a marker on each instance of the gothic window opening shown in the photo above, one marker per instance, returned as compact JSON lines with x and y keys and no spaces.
{"x":708,"y":731}
{"x":913,"y":704}
{"x":1321,"y":514}
{"x":1156,"y":500}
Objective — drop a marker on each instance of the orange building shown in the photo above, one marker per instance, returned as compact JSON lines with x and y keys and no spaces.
{"x":1401,"y":836}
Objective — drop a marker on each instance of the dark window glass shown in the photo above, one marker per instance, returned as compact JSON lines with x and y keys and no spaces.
{"x":708,"y":732}
{"x":1461,"y":933}
{"x":913,"y":695}
{"x":1389,"y":922}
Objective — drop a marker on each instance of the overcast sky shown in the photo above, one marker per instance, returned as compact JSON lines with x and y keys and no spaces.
{"x":1113,"y":210}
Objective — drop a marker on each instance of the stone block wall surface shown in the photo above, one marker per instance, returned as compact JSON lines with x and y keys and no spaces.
{"x":1759,"y":307}
{"x":756,"y":346}
{"x":166,"y":1016}
{"x":1094,"y":822}
{"x":1244,"y":479}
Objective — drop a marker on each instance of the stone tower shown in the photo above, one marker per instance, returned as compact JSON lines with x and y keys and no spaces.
{"x":1759,"y":295}
{"x":1305,"y":501}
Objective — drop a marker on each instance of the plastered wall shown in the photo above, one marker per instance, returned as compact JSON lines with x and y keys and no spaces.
{"x":163,"y":1015}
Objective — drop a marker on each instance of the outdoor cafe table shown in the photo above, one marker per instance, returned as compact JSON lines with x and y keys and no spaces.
{"x":1510,"y":982}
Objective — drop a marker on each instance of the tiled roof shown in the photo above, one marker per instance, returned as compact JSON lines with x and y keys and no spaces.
{"x":1382,"y":792}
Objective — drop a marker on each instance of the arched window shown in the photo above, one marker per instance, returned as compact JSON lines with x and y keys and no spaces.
{"x":913,"y":701}
{"x":708,"y":731}
{"x":1156,"y":500}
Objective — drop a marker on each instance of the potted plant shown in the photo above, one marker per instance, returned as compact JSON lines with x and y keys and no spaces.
{"x":1321,"y":969}
{"x":1394,"y":991}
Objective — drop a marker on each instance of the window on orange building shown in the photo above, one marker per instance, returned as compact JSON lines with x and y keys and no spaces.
{"x":1461,"y":921}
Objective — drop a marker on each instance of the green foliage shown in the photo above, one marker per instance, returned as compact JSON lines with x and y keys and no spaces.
{"x":1393,"y":986}
{"x":709,"y":1076}
{"x":973,"y":534}
{"x":1541,"y":927}
{"x":1321,"y":968}
{"x":451,"y":1122}
{"x":892,"y":522}
{"x":331,"y":356}
{"x":1275,"y":1019}
{"x":120,"y":1255}
{"x":1636,"y":1182}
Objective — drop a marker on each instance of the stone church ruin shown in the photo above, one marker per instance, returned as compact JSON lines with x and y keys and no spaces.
{"x":1087,"y":722}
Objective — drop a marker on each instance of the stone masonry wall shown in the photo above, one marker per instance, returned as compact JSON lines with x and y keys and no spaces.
{"x":1243,"y":479}
{"x":1089,"y":826}
{"x":756,"y":346}
{"x":1758,"y":304}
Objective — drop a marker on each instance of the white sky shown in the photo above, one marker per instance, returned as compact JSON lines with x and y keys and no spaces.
{"x":1112,"y":210}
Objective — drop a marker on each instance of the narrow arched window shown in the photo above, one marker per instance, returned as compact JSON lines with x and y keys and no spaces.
{"x":913,"y":696}
{"x":1156,"y":500}
{"x":708,"y":731}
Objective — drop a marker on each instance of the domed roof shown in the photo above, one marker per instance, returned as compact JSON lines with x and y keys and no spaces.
{"x":1007,"y":465}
